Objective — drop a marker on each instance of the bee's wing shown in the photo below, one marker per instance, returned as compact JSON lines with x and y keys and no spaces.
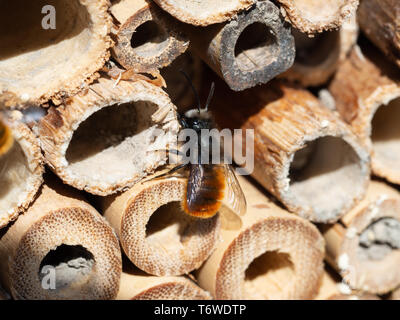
{"x":234,"y":196}
{"x":234,"y":202}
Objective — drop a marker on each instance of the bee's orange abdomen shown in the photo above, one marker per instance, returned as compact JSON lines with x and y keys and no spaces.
{"x":204,"y":191}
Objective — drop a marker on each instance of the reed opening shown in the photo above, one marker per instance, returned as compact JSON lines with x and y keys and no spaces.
{"x":313,"y":51}
{"x":111,"y":145}
{"x":149,"y":39}
{"x":14,"y":178}
{"x":271,"y":272}
{"x":69,"y":265}
{"x":256,"y":47}
{"x":325,"y":169}
{"x":379,"y":239}
{"x":33,"y":55}
{"x":385,"y":135}
{"x":169,"y":227}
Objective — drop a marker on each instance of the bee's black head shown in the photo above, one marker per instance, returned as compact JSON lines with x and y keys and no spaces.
{"x":196,"y":120}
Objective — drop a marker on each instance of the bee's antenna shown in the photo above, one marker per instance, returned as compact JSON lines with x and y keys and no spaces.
{"x":193,"y":89}
{"x":210,"y":95}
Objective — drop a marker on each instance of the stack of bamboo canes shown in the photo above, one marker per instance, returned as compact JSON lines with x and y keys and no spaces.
{"x":89,"y":107}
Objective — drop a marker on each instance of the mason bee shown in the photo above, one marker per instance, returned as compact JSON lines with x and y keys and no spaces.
{"x":208,"y":185}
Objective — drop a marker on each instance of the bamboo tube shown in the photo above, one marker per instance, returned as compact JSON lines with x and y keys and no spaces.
{"x":106,"y":139}
{"x":275,"y":255}
{"x":147,"y":39}
{"x":364,"y":245}
{"x":40,"y":60}
{"x":178,"y":89}
{"x":140,"y":286}
{"x":362,"y":87}
{"x":155,"y":234}
{"x":204,"y":12}
{"x":249,"y":50}
{"x":63,"y":237}
{"x":21,"y":169}
{"x":379,"y":20}
{"x":311,"y":16}
{"x":303,"y":153}
{"x":317,"y":58}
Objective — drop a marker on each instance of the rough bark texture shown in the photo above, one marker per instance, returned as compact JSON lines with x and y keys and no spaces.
{"x":317,"y":58}
{"x":146,"y":38}
{"x":362,"y":86}
{"x":156,"y":235}
{"x":140,"y":286}
{"x":21,"y":169}
{"x":274,"y":255}
{"x":204,"y":12}
{"x":249,"y":50}
{"x":380,"y":22}
{"x":57,"y":218}
{"x":311,"y":16}
{"x":371,"y":267}
{"x":37,"y":64}
{"x":109,"y":137}
{"x":303,"y":153}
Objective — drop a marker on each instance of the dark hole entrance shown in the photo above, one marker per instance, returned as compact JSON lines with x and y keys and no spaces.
{"x":256,"y":47}
{"x":149,"y":39}
{"x":269,"y":273}
{"x":313,"y":51}
{"x":68,"y":264}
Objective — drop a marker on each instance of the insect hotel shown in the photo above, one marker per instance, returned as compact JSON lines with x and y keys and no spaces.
{"x":109,"y":185}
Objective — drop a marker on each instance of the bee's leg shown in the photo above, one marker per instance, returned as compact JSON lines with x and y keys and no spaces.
{"x":173,"y":170}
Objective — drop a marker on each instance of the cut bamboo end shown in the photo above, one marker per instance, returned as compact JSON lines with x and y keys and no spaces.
{"x":60,"y":248}
{"x":379,"y":21}
{"x":367,"y":96}
{"x":147,"y":38}
{"x":318,"y":57}
{"x":139,"y":286}
{"x":156,"y":235}
{"x":275,"y":255}
{"x":311,"y":16}
{"x":21,"y":170}
{"x":364,"y":247}
{"x":178,"y":89}
{"x":249,"y":50}
{"x":109,"y":138}
{"x":39,"y":62}
{"x":303,"y":153}
{"x":204,"y":12}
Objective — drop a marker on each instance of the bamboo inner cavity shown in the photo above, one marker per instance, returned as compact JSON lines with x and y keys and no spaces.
{"x":256,"y":47}
{"x":169,"y":228}
{"x":149,"y":39}
{"x":71,"y":265}
{"x":312,"y":51}
{"x":325,"y":169}
{"x":379,"y":239}
{"x":385,"y":134}
{"x":271,"y":272}
{"x":111,"y":144}
{"x":32,"y":55}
